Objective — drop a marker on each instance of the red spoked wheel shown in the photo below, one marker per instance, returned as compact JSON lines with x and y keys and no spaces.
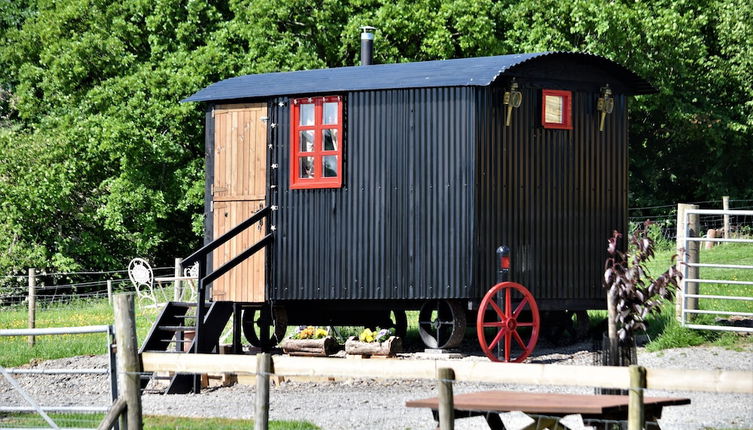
{"x":507,"y":316}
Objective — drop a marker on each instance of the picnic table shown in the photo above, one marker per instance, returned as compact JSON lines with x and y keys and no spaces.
{"x":490,"y":403}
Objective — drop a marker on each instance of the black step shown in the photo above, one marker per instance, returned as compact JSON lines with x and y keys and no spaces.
{"x":176,"y":327}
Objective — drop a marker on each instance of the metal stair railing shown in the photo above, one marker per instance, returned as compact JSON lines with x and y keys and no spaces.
{"x":200,"y":257}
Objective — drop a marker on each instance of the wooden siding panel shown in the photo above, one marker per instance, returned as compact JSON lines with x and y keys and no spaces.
{"x":240,"y":191}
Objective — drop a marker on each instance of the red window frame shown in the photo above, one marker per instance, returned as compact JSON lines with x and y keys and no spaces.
{"x":318,"y":180}
{"x":567,"y":103}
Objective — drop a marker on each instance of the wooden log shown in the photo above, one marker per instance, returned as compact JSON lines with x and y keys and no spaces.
{"x":310,"y":347}
{"x":129,"y":367}
{"x":263,"y":370}
{"x":636,"y":408}
{"x":117,"y":408}
{"x":689,"y":255}
{"x":445,"y":378}
{"x":388,"y":348}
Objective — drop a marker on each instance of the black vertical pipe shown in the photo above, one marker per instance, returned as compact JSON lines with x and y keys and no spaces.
{"x":367,"y":45}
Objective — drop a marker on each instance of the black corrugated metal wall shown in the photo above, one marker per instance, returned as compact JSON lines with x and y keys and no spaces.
{"x":402,"y":225}
{"x":553,"y":196}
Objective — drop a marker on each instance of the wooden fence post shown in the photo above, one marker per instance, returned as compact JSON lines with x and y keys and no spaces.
{"x":725,"y":206}
{"x":177,"y":285}
{"x":129,"y":367}
{"x":692,"y":256}
{"x":263,"y":369}
{"x":636,"y":411}
{"x":32,"y":303}
{"x":445,"y":377}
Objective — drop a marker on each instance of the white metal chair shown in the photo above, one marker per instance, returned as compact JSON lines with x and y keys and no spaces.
{"x":142,"y":278}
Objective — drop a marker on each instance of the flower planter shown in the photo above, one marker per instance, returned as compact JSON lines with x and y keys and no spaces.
{"x":388,"y":348}
{"x":310,"y":347}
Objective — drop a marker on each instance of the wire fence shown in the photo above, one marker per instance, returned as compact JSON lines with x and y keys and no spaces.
{"x":54,"y":288}
{"x":664,"y":217}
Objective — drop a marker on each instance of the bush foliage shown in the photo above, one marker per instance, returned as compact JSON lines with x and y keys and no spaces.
{"x":100,"y":162}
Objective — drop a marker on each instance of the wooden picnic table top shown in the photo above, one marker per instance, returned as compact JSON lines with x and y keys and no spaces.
{"x":545,"y":403}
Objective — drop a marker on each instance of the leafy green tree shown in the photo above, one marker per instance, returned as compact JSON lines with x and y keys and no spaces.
{"x":100,"y":162}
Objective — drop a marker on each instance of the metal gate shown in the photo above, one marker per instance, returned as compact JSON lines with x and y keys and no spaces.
{"x":741,"y":318}
{"x":30,"y":414}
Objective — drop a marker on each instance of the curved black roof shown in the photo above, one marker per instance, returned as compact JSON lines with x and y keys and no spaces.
{"x":479,"y":71}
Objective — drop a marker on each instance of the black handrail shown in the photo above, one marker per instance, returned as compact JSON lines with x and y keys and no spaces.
{"x":211,"y":246}
{"x":204,"y":279}
{"x":238,"y":259}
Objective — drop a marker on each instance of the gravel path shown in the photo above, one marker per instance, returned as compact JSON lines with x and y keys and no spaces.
{"x":377,"y":404}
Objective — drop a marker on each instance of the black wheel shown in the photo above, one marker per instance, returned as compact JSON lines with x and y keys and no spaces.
{"x":399,"y":321}
{"x":441,"y":323}
{"x":565,"y":327}
{"x":265,"y":327}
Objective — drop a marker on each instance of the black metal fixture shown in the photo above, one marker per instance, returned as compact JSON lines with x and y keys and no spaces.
{"x":367,"y":44}
{"x":605,"y":104}
{"x":513,"y":98}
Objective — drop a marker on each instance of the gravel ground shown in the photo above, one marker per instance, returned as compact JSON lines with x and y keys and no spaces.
{"x":377,"y":404}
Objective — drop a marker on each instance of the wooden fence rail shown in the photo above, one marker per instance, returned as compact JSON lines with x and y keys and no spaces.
{"x":719,"y":381}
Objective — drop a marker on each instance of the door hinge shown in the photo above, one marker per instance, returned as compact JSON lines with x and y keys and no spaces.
{"x":211,"y":189}
{"x":212,"y":112}
{"x":211,"y":206}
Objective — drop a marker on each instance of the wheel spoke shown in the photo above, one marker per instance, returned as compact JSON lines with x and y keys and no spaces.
{"x":519,"y":340}
{"x":497,"y":338}
{"x":493,"y":324}
{"x":507,"y":345}
{"x":525,"y":324}
{"x":520,"y":307}
{"x":496,"y":308}
{"x":508,"y":301}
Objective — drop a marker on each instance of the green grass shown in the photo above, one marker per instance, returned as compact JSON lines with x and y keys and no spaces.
{"x":666,"y":332}
{"x":150,"y":422}
{"x":15,"y":351}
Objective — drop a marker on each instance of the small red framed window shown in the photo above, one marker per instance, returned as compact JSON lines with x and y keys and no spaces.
{"x":317,"y":142}
{"x":556,"y":109}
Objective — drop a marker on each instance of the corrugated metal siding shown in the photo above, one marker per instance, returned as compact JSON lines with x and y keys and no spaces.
{"x":553,"y":196}
{"x":402,"y":225}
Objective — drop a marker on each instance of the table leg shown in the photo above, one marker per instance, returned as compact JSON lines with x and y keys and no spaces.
{"x":494,"y":421}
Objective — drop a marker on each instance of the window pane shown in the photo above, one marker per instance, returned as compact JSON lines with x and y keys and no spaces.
{"x":307,"y":140}
{"x":306,"y":169}
{"x":329,"y":162}
{"x":329,"y":140}
{"x":553,"y":109}
{"x":307,"y":114}
{"x":330,"y":113}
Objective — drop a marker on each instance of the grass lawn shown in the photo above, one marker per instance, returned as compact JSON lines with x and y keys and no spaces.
{"x":150,"y":422}
{"x":15,"y":351}
{"x":666,"y":332}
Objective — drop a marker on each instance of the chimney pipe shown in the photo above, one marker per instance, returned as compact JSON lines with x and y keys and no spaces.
{"x":367,"y":44}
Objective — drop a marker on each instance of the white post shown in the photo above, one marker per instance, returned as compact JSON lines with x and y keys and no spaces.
{"x":178,"y":286}
{"x":32,"y":303}
{"x":725,"y":206}
{"x":109,"y":291}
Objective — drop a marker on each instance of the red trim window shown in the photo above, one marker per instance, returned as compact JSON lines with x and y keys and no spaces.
{"x":556,"y":109}
{"x":316,"y":154}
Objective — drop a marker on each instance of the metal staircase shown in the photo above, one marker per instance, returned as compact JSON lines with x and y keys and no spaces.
{"x":202,"y":321}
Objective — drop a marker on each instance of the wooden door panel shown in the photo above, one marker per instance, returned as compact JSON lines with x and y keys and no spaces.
{"x":238,"y":191}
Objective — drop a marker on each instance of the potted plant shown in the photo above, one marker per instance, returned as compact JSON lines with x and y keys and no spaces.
{"x":381,"y":342}
{"x":310,"y":341}
{"x":632,"y":293}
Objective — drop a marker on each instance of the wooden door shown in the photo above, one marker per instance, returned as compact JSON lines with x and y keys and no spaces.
{"x":238,"y":191}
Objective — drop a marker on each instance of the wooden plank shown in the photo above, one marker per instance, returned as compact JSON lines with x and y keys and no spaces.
{"x":718,"y":381}
{"x":470,"y":371}
{"x":542,"y":403}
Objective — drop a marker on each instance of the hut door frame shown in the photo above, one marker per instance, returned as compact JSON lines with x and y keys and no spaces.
{"x":239,"y":189}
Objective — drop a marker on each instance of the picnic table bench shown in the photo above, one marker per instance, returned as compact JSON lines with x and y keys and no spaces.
{"x":490,"y":403}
